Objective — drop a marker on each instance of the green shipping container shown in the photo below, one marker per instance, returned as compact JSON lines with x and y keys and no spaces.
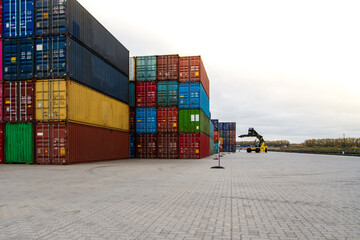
{"x":19,"y":143}
{"x":193,"y":121}
{"x":212,"y":146}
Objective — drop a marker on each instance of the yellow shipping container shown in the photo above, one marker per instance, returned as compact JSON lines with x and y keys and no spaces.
{"x":221,"y":141}
{"x":65,"y":100}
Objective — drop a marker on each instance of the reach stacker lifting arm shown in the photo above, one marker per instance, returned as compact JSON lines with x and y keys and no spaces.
{"x":259,"y":146}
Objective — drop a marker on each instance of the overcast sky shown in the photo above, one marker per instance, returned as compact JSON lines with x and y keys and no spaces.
{"x":290,"y":69}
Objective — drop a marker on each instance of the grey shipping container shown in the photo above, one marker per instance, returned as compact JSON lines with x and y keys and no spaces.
{"x":54,"y":17}
{"x":59,"y":57}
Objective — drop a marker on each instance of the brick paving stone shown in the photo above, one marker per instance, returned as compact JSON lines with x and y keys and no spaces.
{"x":256,"y":196}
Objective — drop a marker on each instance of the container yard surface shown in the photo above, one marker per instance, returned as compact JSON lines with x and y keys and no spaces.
{"x":256,"y":196}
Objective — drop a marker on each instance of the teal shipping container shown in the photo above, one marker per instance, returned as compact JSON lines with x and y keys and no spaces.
{"x":212,"y":147}
{"x":193,"y":121}
{"x":168,"y":92}
{"x":146,"y":68}
{"x":131,"y":94}
{"x":216,"y":147}
{"x":19,"y":143}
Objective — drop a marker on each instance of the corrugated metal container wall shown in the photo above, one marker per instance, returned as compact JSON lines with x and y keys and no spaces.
{"x":146,"y":145}
{"x":59,"y":143}
{"x":18,"y":18}
{"x":211,"y":132}
{"x":61,"y":100}
{"x":19,"y":101}
{"x":212,"y":149}
{"x":132,"y":143}
{"x":132,"y":120}
{"x":146,"y":120}
{"x":216,"y":147}
{"x":168,"y":145}
{"x":232,"y":148}
{"x":193,"y":96}
{"x":193,"y":121}
{"x":168,"y":92}
{"x":131,"y":94}
{"x":1,"y":144}
{"x":146,"y":68}
{"x":191,"y":69}
{"x":167,"y":119}
{"x":1,"y":101}
{"x":1,"y":53}
{"x":132,"y":67}
{"x":55,"y":17}
{"x":19,"y":143}
{"x":146,"y":94}
{"x":216,"y":124}
{"x":1,"y":21}
{"x":232,"y":126}
{"x":18,"y":57}
{"x":232,"y":136}
{"x":58,"y":57}
{"x":168,"y":67}
{"x":216,"y":136}
{"x":193,"y":145}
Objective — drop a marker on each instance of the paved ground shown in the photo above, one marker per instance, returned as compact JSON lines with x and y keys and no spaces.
{"x":256,"y":196}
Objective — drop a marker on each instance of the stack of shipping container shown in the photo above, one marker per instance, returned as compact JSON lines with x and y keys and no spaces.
{"x":216,"y":146}
{"x":227,"y":136}
{"x":65,"y":85}
{"x":169,"y":100}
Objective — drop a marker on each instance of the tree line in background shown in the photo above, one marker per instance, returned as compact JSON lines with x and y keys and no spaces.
{"x":333,"y":143}
{"x":347,"y":146}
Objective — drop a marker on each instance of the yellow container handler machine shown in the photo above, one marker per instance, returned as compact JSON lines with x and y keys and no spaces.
{"x":259,"y":146}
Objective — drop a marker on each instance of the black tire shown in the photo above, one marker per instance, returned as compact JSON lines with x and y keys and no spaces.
{"x":248,"y":150}
{"x":266,"y":150}
{"x":257,"y":150}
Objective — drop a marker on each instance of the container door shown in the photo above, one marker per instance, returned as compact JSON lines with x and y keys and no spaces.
{"x":18,"y":18}
{"x":51,"y":143}
{"x":19,"y":143}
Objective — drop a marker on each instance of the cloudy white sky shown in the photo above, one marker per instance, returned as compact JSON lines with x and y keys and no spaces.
{"x":290,"y":69}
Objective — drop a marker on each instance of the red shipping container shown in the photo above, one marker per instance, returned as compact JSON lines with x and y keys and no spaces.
{"x":193,"y":145}
{"x":168,"y":67}
{"x":18,"y":101}
{"x":146,"y":145}
{"x":191,"y":69}
{"x":1,"y":144}
{"x":168,"y":145}
{"x":167,"y":119}
{"x":146,"y":93}
{"x":232,"y":134}
{"x":61,"y":143}
{"x":216,"y":136}
{"x":1,"y":57}
{"x":132,"y":123}
{"x":1,"y":100}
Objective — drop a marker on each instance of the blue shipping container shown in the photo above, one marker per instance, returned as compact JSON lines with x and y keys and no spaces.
{"x":55,"y":17}
{"x":232,"y":125}
{"x":132,"y":143}
{"x":146,"y":120}
{"x":226,"y":148}
{"x":59,"y":57}
{"x":131,"y":95}
{"x":232,"y":148}
{"x":18,"y":18}
{"x":168,"y":92}
{"x":221,"y":126}
{"x":18,"y":59}
{"x":226,"y":141}
{"x":226,"y":134}
{"x":216,"y":124}
{"x":193,"y":96}
{"x":146,"y":68}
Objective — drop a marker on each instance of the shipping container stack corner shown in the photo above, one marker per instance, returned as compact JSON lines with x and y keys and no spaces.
{"x":170,"y":107}
{"x":17,"y":87}
{"x":65,"y":85}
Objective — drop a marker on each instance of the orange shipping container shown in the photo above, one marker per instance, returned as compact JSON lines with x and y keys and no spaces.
{"x":191,"y":69}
